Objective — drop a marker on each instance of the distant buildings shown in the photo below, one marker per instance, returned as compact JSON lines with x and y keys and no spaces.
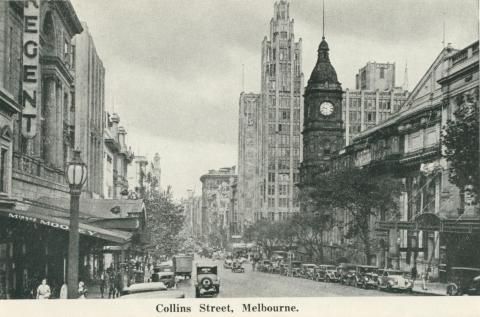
{"x":216,"y":203}
{"x":117,"y":158}
{"x":375,"y":76}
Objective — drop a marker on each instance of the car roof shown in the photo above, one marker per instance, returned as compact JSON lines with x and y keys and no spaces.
{"x":368,"y":266}
{"x":466,"y":268}
{"x":155,"y":294}
{"x":146,"y":287}
{"x":164,"y":273}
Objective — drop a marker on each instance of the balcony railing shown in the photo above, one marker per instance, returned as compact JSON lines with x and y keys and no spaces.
{"x":35,"y":167}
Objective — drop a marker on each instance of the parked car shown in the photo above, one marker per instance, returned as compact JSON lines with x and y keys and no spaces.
{"x":167,"y":278}
{"x":395,"y":280}
{"x":346,"y":273}
{"x":263,"y":265}
{"x":366,"y":276}
{"x":207,"y":281}
{"x":150,"y":290}
{"x":326,"y":273}
{"x":463,"y":280}
{"x":295,"y":268}
{"x":227,"y":264}
{"x":308,"y":271}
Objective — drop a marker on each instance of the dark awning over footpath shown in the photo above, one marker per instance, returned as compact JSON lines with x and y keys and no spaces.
{"x":60,"y":220}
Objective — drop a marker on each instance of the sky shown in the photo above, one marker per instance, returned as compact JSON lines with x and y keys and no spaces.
{"x":174,"y":67}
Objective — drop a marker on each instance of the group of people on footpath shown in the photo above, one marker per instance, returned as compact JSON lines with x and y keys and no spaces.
{"x":425,"y":276}
{"x":110,"y":282}
{"x":44,"y":291}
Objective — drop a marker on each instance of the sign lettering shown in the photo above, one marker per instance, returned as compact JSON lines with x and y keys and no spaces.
{"x":31,"y":33}
{"x":49,"y":223}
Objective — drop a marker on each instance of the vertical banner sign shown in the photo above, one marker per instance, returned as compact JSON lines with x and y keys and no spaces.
{"x":31,"y":34}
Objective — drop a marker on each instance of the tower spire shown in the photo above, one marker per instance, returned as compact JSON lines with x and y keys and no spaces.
{"x":405,"y":77}
{"x":323,"y":21}
{"x":243,"y":77}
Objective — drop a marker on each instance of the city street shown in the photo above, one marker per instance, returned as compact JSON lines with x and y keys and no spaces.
{"x":258,"y":284}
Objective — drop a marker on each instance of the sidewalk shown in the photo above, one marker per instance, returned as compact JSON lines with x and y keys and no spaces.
{"x":433,"y":288}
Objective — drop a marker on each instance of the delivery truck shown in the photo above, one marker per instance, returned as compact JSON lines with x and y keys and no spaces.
{"x":182,"y":265}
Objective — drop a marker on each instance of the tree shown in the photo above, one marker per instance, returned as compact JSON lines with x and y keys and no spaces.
{"x":361,"y":193}
{"x":461,"y":139}
{"x":165,"y":220}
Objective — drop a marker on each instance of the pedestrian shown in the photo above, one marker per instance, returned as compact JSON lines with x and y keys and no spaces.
{"x":43,"y":290}
{"x":103,"y":282}
{"x":118,"y":283}
{"x":424,"y":280}
{"x":414,"y":272}
{"x":82,"y":290}
{"x":111,"y":283}
{"x":64,"y":291}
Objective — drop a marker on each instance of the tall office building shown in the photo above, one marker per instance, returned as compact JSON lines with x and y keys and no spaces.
{"x":270,"y":127}
{"x":375,"y":75}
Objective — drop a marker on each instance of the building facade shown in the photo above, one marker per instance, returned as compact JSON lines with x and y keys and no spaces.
{"x":38,"y":76}
{"x":216,"y":204}
{"x":375,"y":76}
{"x":116,"y":160}
{"x":89,"y":103}
{"x":270,"y":124}
{"x":436,"y":227}
{"x":250,"y":155}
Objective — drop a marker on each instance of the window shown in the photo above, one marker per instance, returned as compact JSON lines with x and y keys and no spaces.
{"x":271,"y":202}
{"x":382,"y":73}
{"x":271,"y":177}
{"x":271,"y":189}
{"x":283,"y":189}
{"x":3,"y":169}
{"x":65,"y":50}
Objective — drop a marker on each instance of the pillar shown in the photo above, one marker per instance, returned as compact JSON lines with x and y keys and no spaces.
{"x":50,"y":147}
{"x":377,"y":108}
{"x":362,"y":111}
{"x":347,"y":117}
{"x":59,"y":125}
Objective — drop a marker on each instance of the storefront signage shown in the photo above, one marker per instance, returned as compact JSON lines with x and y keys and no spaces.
{"x":30,"y":71}
{"x":49,"y":223}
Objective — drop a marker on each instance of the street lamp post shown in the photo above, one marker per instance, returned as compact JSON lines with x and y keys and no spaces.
{"x":76,"y":175}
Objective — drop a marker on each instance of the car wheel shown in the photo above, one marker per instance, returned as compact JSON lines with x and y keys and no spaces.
{"x":451,"y":290}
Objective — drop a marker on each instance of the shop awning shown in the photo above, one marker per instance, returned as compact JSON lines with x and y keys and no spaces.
{"x":62,"y":223}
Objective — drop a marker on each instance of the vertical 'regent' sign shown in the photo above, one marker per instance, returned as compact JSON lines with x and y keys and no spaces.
{"x":31,"y":35}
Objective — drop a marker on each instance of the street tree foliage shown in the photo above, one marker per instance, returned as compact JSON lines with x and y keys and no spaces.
{"x":165,"y":221}
{"x":461,"y":139}
{"x":363,"y":194}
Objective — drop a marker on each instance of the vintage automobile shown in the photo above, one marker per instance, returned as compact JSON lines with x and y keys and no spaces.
{"x":366,"y":276}
{"x":326,"y":273}
{"x":227,"y":264}
{"x":294,"y":268}
{"x":307,"y":271}
{"x":167,"y":278}
{"x":207,"y":282}
{"x":264,"y":265}
{"x":346,"y":273}
{"x":391,"y":280}
{"x":150,"y":290}
{"x":237,"y":267}
{"x":463,"y":280}
{"x":275,"y":267}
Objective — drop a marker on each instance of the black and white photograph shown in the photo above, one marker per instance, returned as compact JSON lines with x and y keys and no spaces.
{"x":238,"y":149}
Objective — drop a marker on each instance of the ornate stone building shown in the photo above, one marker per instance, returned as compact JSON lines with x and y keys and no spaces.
{"x":323,"y":133}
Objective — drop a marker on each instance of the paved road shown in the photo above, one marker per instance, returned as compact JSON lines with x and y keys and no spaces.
{"x":257,"y":284}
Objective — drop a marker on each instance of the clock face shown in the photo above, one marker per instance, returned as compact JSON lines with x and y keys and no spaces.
{"x":326,"y":108}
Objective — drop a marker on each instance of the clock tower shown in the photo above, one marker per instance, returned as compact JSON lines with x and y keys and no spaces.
{"x":323,"y":133}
